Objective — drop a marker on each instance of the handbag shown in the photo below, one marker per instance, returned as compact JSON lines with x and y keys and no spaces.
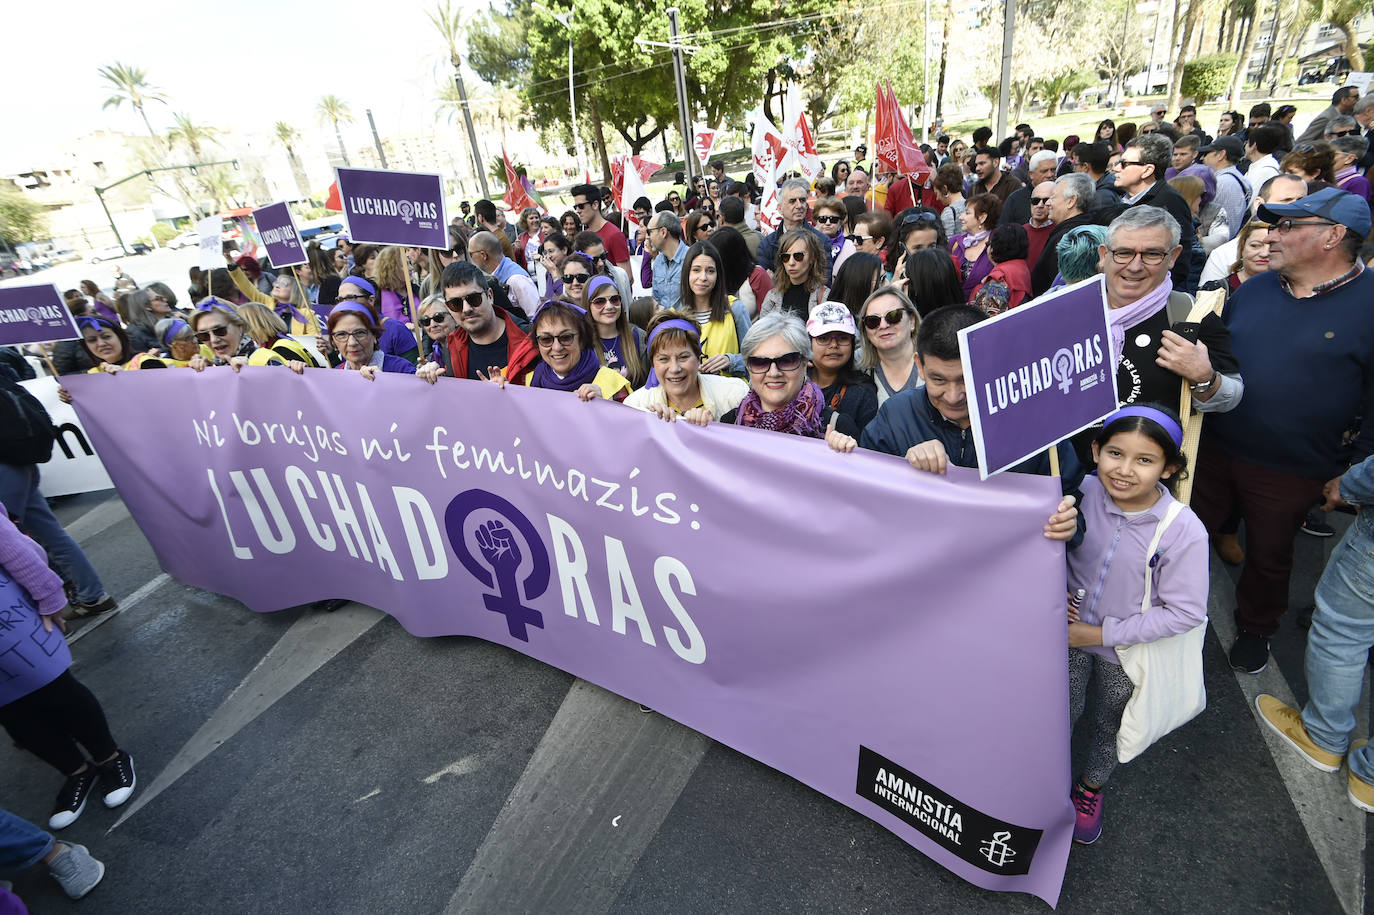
{"x":1166,"y":673}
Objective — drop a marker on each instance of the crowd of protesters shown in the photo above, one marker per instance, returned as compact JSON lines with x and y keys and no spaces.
{"x":842,"y":321}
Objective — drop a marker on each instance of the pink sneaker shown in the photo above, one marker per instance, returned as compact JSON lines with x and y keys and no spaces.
{"x":1087,"y":828}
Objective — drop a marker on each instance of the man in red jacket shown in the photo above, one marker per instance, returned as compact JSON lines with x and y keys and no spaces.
{"x":487,"y":338}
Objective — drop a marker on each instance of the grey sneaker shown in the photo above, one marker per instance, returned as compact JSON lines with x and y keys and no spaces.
{"x":77,"y":610}
{"x":76,"y":871}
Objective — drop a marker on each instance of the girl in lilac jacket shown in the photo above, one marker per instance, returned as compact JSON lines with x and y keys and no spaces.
{"x":1137,"y":453}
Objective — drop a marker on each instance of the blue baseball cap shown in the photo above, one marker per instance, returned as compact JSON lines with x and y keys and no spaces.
{"x":1341,"y":207}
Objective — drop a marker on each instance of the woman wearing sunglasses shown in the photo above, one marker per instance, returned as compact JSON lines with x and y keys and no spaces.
{"x":830,"y":217}
{"x":723,"y":319}
{"x":622,"y":344}
{"x":288,"y":300}
{"x":676,"y":387}
{"x":570,"y":356}
{"x":781,"y":398}
{"x":355,"y":332}
{"x":890,"y":322}
{"x":436,"y":323}
{"x":576,"y":272}
{"x":699,"y":226}
{"x":222,"y":329}
{"x":799,"y":278}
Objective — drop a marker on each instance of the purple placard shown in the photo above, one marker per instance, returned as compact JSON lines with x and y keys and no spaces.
{"x":34,"y":314}
{"x":675,"y":569}
{"x":393,"y":208}
{"x":277,"y":229}
{"x":1039,"y":373}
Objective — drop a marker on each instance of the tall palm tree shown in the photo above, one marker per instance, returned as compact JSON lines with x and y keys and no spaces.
{"x":1341,"y":14}
{"x":334,"y":109}
{"x":449,"y":23}
{"x":191,"y":135}
{"x":287,"y":136}
{"x":131,"y":85}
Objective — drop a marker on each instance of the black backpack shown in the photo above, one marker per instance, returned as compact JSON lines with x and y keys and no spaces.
{"x":26,"y":429}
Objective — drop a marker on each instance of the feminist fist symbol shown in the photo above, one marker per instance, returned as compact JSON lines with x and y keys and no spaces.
{"x":501,"y":552}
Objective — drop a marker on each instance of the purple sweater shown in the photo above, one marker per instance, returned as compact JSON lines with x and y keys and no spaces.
{"x":29,"y":656}
{"x":1110,"y":566}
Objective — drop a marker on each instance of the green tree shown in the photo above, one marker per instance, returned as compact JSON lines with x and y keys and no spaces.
{"x":1205,"y":78}
{"x":1054,"y":88}
{"x":1341,"y":14}
{"x":288,"y":137}
{"x":21,"y":217}
{"x":131,"y":85}
{"x":333,"y":109}
{"x":193,"y":136}
{"x":449,"y":23}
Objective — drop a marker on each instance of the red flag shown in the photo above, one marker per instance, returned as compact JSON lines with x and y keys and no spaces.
{"x":333,"y":201}
{"x":896,"y":149}
{"x":516,"y":197}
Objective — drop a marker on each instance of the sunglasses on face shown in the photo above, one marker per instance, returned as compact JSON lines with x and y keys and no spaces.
{"x":1039,"y":201}
{"x":204,"y":335}
{"x":828,"y":220}
{"x":575,"y":278}
{"x":472,"y":300}
{"x":795,"y":257}
{"x":433,"y":319}
{"x":705,"y":226}
{"x":1345,"y":133}
{"x":607,"y":300}
{"x":859,"y":239}
{"x":787,"y":362}
{"x":893,"y":318}
{"x":546,"y":341}
{"x":583,"y":204}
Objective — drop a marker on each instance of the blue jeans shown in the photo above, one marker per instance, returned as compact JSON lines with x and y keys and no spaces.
{"x":22,"y":844}
{"x":19,"y":492}
{"x":1338,"y":646}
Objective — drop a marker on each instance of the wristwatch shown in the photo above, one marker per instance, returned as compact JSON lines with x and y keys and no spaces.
{"x":1204,"y":385}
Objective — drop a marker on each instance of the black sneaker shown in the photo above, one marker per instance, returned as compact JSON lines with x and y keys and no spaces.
{"x":71,"y":800}
{"x":1314,"y":526}
{"x":79,"y":609}
{"x":1249,"y":653}
{"x":118,"y":776}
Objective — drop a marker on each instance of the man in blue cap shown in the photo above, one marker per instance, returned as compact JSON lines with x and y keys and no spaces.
{"x":1303,"y":333}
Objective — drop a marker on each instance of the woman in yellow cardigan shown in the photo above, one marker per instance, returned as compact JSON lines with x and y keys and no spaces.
{"x":287,"y":300}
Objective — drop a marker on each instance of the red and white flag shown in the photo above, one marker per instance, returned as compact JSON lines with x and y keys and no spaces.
{"x":801,"y":153}
{"x":894,"y":146}
{"x":516,"y":197}
{"x":628,"y":185}
{"x":769,"y":150}
{"x":704,"y":141}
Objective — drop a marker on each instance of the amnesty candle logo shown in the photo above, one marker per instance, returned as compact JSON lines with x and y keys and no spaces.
{"x":983,"y":841}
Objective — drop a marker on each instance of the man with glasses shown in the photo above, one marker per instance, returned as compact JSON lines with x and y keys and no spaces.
{"x":1342,"y":103}
{"x":1305,"y":333}
{"x":1342,"y":126}
{"x":1040,"y":225}
{"x":1279,"y":189}
{"x":484,"y":249}
{"x":1071,"y":206}
{"x":1140,"y":179}
{"x":792,"y":209}
{"x":665,"y":234}
{"x":487,"y":338}
{"x":1016,"y":210}
{"x":587,"y":205}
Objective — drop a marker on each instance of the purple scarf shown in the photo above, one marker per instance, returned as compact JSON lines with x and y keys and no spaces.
{"x":582,"y":373}
{"x":286,"y":311}
{"x":800,"y":417}
{"x":1128,"y":316}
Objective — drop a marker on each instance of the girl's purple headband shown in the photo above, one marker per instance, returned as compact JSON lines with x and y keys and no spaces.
{"x":1158,"y":416}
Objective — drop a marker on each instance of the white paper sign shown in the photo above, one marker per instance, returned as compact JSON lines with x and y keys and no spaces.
{"x":211,"y":249}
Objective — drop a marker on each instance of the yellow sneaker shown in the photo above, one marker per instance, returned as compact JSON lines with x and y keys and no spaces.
{"x":1286,"y":721}
{"x":1360,"y":791}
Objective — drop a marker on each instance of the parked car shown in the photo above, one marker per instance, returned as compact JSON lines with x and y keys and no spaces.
{"x":184,"y":240}
{"x":112,"y":252}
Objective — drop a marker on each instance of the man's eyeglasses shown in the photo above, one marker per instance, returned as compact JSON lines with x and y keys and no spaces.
{"x":341,"y":336}
{"x":433,"y":319}
{"x":204,"y":335}
{"x":1127,"y":163}
{"x":829,"y":220}
{"x":1039,"y":201}
{"x":473,"y":300}
{"x":1148,"y":258}
{"x":585,"y":203}
{"x":787,"y":362}
{"x":1284,"y":226}
{"x":1345,"y":133}
{"x":546,"y":341}
{"x":893,"y":318}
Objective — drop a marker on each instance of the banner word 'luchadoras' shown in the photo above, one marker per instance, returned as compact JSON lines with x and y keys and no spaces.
{"x":893,"y":639}
{"x":393,"y":208}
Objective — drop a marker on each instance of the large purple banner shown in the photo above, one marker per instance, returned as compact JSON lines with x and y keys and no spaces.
{"x":34,"y":314}
{"x":893,"y":639}
{"x":393,"y":208}
{"x":277,"y":229}
{"x":1039,"y":373}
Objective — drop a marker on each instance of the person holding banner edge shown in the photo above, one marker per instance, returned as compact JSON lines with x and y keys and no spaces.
{"x":487,"y":339}
{"x":930,"y":426}
{"x":677,"y":387}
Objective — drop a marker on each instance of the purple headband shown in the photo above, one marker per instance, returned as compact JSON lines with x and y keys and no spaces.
{"x":596,"y":283}
{"x":361,"y":283}
{"x":353,"y":306}
{"x":94,"y":322}
{"x":1157,"y":416}
{"x":176,"y":327}
{"x":542,"y":305}
{"x":681,"y":324}
{"x":210,"y":303}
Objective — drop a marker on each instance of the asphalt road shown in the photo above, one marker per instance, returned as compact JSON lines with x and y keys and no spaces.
{"x":300,"y":761}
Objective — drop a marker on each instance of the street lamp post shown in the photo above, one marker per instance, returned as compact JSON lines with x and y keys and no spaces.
{"x":565,"y":20}
{"x":148,"y":173}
